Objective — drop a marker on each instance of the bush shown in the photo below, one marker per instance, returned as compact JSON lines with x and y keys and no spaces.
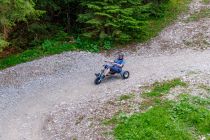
{"x":3,"y":44}
{"x":112,"y":19}
{"x":86,"y":44}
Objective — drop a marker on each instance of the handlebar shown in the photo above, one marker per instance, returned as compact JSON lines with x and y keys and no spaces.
{"x":109,"y":62}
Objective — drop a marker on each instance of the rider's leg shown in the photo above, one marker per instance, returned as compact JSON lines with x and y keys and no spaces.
{"x":106,"y":72}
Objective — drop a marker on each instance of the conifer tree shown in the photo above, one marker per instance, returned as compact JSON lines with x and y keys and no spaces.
{"x":12,"y":11}
{"x":120,"y":20}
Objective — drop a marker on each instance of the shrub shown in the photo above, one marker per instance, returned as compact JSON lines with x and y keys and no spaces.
{"x":3,"y":44}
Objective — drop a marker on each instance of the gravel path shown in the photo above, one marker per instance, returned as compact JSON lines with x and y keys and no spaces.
{"x":28,"y":92}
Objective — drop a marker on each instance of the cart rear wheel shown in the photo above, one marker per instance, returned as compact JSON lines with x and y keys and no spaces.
{"x":126,"y":75}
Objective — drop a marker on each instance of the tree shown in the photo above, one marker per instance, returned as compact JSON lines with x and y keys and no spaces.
{"x":12,"y":11}
{"x":63,"y":12}
{"x":118,"y":19}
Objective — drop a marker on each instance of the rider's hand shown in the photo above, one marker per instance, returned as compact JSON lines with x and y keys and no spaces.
{"x":109,"y":62}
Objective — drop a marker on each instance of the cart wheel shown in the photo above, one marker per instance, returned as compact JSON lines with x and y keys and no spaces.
{"x":126,"y":75}
{"x":97,"y":81}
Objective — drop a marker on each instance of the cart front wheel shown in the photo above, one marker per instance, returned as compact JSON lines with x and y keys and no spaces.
{"x":97,"y":81}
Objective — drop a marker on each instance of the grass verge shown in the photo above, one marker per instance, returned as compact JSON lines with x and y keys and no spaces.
{"x":37,"y":53}
{"x":186,"y":119}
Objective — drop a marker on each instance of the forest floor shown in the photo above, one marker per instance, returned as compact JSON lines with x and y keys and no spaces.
{"x":55,"y":97}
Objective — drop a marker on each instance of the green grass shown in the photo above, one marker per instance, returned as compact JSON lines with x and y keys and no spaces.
{"x":204,"y":13}
{"x":49,"y":48}
{"x":183,"y":120}
{"x":160,"y":89}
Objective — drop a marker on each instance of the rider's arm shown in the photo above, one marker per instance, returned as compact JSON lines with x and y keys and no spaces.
{"x":119,"y":65}
{"x":109,"y":61}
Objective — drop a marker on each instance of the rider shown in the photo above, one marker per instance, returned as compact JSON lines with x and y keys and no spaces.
{"x":116,"y":66}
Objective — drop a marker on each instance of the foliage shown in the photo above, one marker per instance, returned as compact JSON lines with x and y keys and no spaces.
{"x":185,"y":119}
{"x":15,"y":11}
{"x":86,"y":44}
{"x":3,"y":44}
{"x":115,"y":19}
{"x":32,"y":35}
{"x":12,"y":11}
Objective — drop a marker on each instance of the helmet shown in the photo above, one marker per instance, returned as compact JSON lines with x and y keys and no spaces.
{"x":121,"y":56}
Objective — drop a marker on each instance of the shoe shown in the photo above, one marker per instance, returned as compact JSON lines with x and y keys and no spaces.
{"x":97,"y":74}
{"x":103,"y":76}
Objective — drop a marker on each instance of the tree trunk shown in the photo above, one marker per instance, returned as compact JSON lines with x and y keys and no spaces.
{"x":68,"y":19}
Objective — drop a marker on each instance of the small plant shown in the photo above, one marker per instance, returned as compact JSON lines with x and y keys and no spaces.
{"x":118,"y":118}
{"x":160,"y":89}
{"x":126,"y":97}
{"x":86,"y":44}
{"x":204,"y":13}
{"x":107,"y":45}
{"x":48,"y":44}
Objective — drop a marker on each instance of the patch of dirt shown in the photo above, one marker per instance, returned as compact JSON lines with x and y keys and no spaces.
{"x":8,"y":51}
